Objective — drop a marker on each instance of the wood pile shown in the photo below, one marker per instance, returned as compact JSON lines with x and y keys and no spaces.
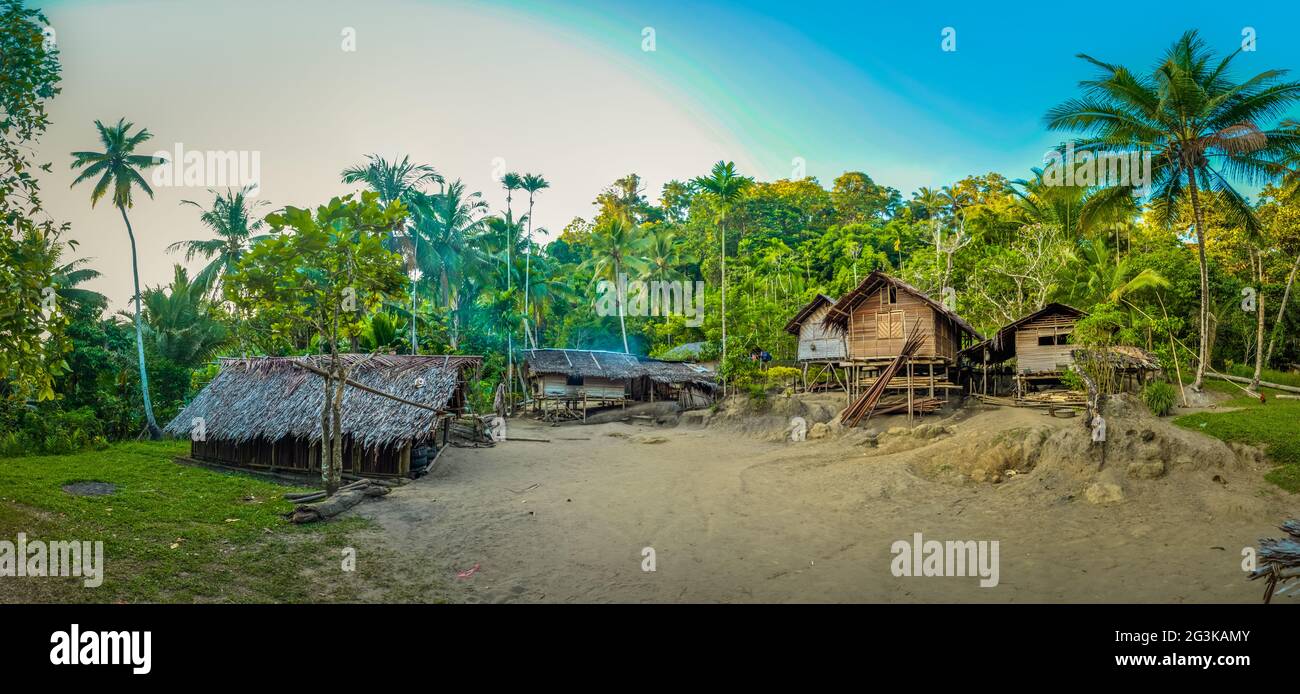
{"x":921,"y":406}
{"x":1279,"y":560}
{"x":865,"y":405}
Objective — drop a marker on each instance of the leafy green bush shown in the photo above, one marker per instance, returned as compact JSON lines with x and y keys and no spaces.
{"x":45,"y":429}
{"x":1159,"y":397}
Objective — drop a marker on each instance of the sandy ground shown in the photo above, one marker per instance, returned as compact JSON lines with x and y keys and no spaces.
{"x":734,"y":518}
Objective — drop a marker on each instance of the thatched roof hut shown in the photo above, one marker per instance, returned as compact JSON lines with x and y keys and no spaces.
{"x":266,"y":411}
{"x":610,"y":376}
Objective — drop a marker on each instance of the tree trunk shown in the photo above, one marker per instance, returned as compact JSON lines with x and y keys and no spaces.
{"x":154,"y":432}
{"x":528,"y":264}
{"x":1259,"y":325}
{"x":1203,"y":357}
{"x":1281,"y":310}
{"x":723,"y":365}
{"x":336,"y":466}
{"x":618,"y":299}
{"x":326,"y":435}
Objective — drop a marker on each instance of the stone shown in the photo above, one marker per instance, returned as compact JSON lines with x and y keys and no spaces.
{"x":1104,"y":493}
{"x":820,"y":430}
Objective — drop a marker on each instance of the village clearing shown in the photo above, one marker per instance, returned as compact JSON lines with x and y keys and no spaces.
{"x":734,"y":513}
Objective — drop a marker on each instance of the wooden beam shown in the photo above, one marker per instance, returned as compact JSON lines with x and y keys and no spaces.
{"x":368,"y":389}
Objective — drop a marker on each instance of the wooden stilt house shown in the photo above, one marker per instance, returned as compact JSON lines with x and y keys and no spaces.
{"x":877,"y":317}
{"x":1037,"y":346}
{"x":264,"y":413}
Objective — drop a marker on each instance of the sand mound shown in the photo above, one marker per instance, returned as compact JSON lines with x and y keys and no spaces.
{"x":1056,"y":461}
{"x":769,"y":419}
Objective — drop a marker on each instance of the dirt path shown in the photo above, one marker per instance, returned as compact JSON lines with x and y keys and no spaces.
{"x":734,"y":519}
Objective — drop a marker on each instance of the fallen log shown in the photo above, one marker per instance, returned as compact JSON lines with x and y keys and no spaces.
{"x":345,"y":499}
{"x":1243,"y":379}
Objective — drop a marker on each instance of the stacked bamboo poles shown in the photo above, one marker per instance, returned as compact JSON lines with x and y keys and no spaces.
{"x":863,"y":406}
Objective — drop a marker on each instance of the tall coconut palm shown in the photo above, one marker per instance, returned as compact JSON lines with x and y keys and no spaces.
{"x":616,"y":248}
{"x":531,"y":183}
{"x":398,"y":181}
{"x":1200,"y":125}
{"x":231,"y":216}
{"x":118,"y":167}
{"x":511,"y":182}
{"x":726,"y":188}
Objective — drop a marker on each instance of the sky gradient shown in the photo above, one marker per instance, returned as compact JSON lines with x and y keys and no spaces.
{"x":565,"y":89}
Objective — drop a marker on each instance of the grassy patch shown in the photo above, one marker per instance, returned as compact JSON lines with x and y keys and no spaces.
{"x":173,"y":533}
{"x":1275,"y":426}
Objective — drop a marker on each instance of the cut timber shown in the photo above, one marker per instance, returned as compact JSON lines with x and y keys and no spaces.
{"x":864,"y":406}
{"x":345,"y":499}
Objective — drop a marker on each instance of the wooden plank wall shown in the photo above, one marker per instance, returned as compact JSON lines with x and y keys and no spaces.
{"x":1032,"y":357}
{"x":816,"y":342}
{"x":864,"y":341}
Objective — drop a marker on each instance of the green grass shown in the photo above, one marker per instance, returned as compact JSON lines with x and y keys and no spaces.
{"x":1274,"y":426}
{"x":173,"y":533}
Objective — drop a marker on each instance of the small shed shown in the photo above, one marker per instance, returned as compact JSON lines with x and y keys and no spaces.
{"x":817,"y":342}
{"x":1039,"y":342}
{"x":264,"y":413}
{"x":597,"y":378}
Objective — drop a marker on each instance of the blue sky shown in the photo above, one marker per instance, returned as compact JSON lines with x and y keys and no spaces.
{"x":566,"y":89}
{"x":865,"y":85}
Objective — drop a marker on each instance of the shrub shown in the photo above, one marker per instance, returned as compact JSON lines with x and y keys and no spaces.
{"x":45,"y":429}
{"x":1159,"y":397}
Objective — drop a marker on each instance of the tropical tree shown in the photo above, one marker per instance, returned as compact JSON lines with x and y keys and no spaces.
{"x":726,"y":188}
{"x":118,"y":167}
{"x":180,"y":319}
{"x":231,"y":217}
{"x":533,"y":183}
{"x":329,"y":274}
{"x":31,"y":336}
{"x":398,"y":181}
{"x":445,"y":224}
{"x":1202,"y":129}
{"x":617,"y":247}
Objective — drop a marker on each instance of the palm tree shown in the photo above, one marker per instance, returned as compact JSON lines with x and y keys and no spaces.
{"x":616,"y":246}
{"x":398,"y":181}
{"x":181,"y":322}
{"x":663,"y":253}
{"x":1098,"y":278}
{"x":231,"y":218}
{"x":1200,"y":126}
{"x":445,"y":223}
{"x":511,"y":182}
{"x":531,"y":183}
{"x":726,"y":188}
{"x":68,"y":278}
{"x":118,"y":167}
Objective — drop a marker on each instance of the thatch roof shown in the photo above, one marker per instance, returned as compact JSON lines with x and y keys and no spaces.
{"x":1122,"y":357}
{"x":274,"y":397}
{"x":838,"y":317}
{"x":797,"y":322}
{"x":615,"y":366}
{"x":1002,"y":345}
